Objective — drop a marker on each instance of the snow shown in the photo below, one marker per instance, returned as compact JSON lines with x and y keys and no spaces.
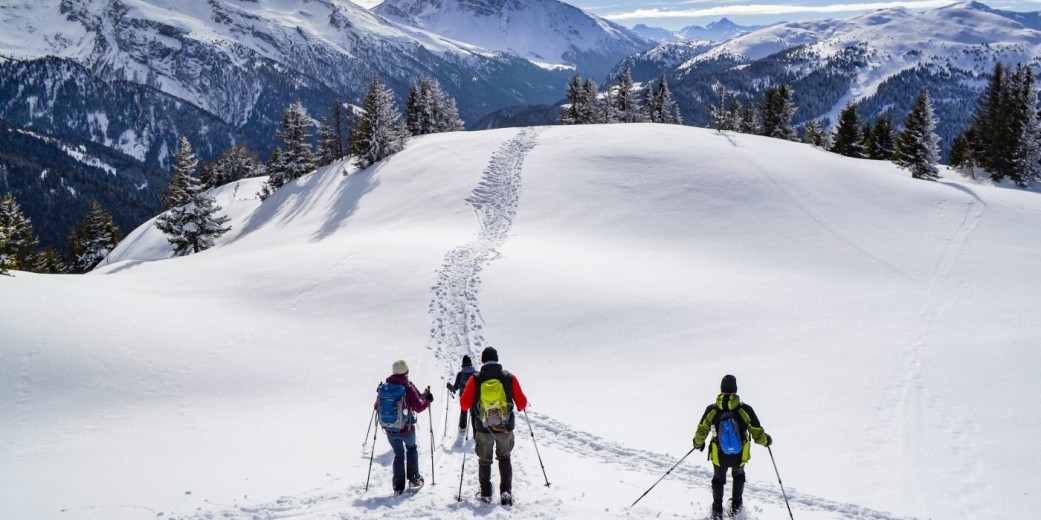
{"x":883,"y":328}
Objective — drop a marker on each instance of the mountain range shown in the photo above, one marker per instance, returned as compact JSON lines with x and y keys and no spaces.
{"x":120,"y":80}
{"x":720,"y":30}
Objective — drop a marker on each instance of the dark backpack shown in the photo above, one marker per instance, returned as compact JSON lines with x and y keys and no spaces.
{"x":393,"y":415}
{"x":728,"y":435}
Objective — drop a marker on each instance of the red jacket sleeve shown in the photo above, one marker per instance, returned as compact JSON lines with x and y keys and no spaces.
{"x":519,"y":398}
{"x":415,"y":402}
{"x":467,"y":399}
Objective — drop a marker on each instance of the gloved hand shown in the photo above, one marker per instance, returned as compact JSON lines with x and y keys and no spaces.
{"x":427,"y":395}
{"x":699,"y":447}
{"x":450,"y":387}
{"x":769,"y":440}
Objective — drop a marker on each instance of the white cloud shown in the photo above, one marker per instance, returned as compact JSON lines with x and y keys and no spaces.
{"x":778,"y":9}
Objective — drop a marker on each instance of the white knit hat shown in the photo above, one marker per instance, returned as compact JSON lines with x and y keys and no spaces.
{"x":400,"y":367}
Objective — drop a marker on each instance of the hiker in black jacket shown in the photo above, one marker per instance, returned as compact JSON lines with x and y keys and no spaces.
{"x":729,"y":451}
{"x":457,"y":389}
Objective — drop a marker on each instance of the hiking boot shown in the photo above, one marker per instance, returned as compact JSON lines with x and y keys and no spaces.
{"x":398,"y":492}
{"x":487,"y":499}
{"x":506,"y":498}
{"x":735,"y":506}
{"x":717,"y":512}
{"x":416,"y":483}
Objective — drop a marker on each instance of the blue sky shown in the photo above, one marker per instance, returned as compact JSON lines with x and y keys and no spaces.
{"x":675,"y":14}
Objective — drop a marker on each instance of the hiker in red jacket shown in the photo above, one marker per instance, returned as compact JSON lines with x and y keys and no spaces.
{"x":491,"y":395}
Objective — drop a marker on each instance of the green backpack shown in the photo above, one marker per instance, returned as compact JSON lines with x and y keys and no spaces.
{"x":494,"y":408}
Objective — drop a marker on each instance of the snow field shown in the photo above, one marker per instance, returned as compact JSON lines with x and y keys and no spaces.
{"x":880,"y":326}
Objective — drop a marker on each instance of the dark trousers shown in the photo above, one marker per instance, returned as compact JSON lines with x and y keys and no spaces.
{"x":500,"y":445}
{"x":462,"y":419}
{"x":406,"y":454}
{"x":719,"y":479}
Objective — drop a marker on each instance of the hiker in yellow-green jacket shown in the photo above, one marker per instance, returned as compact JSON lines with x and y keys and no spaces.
{"x":735,"y":425}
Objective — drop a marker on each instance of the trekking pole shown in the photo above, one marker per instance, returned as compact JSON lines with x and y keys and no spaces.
{"x":663,"y":476}
{"x":433,"y":477}
{"x":785,"y":495}
{"x":536,"y":447}
{"x":372,"y":455}
{"x":446,"y":414}
{"x":371,"y":419}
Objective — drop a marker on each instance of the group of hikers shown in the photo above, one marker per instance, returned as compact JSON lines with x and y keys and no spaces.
{"x":488,"y":398}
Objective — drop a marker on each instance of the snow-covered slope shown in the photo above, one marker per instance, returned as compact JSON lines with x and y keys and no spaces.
{"x":884,"y":328}
{"x":549,"y":32}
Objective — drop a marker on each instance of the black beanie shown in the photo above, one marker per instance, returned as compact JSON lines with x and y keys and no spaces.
{"x":467,"y":362}
{"x":728,"y":385}
{"x":489,"y":354}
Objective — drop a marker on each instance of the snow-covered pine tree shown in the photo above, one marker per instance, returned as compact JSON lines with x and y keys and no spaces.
{"x":960,"y":154}
{"x":648,"y":110}
{"x":429,"y":110}
{"x":626,"y":101}
{"x":379,"y":134}
{"x":1031,"y":137}
{"x":813,"y":133}
{"x":184,"y":164}
{"x":296,"y":157}
{"x":847,"y":140}
{"x":666,"y":107}
{"x":608,"y":110}
{"x":718,"y":109}
{"x":49,"y":261}
{"x":984,"y":120}
{"x":778,"y":112}
{"x":917,"y":147}
{"x":93,"y":240}
{"x":734,"y":114}
{"x":589,"y":110}
{"x":882,"y":144}
{"x":237,"y":162}
{"x":575,"y":95}
{"x":750,"y":122}
{"x":195,"y":226}
{"x":20,"y":244}
{"x":273,"y":168}
{"x":338,"y":126}
{"x":326,"y":152}
{"x":5,"y":259}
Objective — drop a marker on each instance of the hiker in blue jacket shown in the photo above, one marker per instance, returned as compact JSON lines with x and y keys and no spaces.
{"x":735,"y":425}
{"x":398,"y":401}
{"x":460,"y":383}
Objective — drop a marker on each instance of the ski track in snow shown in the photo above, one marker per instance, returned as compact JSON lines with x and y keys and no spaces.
{"x":457,"y":330}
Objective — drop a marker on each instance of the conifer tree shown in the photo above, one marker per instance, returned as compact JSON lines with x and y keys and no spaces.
{"x":93,"y":240}
{"x":575,"y":96}
{"x":608,"y":110}
{"x":49,"y":261}
{"x":778,"y":112}
{"x":273,"y":168}
{"x":960,"y":154}
{"x":847,"y":134}
{"x":429,"y":110}
{"x":326,"y":151}
{"x":917,"y":147}
{"x":626,"y":101}
{"x":236,"y":163}
{"x":984,"y":120}
{"x":338,"y":126}
{"x":296,"y":156}
{"x":20,"y":244}
{"x":750,"y":122}
{"x":666,"y":109}
{"x":5,"y":259}
{"x":882,"y":144}
{"x":380,"y":132}
{"x":184,"y":164}
{"x":588,"y":110}
{"x":718,"y":109}
{"x":195,"y":226}
{"x":815,"y":134}
{"x":648,"y":110}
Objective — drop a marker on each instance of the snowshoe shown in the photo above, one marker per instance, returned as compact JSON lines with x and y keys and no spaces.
{"x":506,"y":498}
{"x":415,"y":485}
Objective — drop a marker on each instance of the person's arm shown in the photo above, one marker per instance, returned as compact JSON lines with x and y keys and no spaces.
{"x":519,"y":398}
{"x":467,"y":399}
{"x":415,"y":401}
{"x":704,"y":427}
{"x":758,"y":433}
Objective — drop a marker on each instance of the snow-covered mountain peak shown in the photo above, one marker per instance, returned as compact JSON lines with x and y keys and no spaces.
{"x":546,"y":32}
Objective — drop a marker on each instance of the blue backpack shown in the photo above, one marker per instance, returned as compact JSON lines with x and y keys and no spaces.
{"x":728,"y":435}
{"x":393,"y":415}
